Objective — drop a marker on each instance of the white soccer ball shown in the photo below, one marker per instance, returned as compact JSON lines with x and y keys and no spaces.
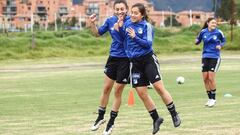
{"x":180,"y":80}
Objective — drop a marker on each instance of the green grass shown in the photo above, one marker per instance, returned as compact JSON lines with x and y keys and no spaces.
{"x":74,"y":44}
{"x":36,"y":98}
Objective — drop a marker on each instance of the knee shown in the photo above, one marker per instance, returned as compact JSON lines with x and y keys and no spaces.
{"x":211,"y":79}
{"x":206,"y":79}
{"x":107,"y":90}
{"x":118,"y":92}
{"x":143,"y":96}
{"x":160,"y":88}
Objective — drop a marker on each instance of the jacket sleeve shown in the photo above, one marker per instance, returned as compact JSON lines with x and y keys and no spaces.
{"x":147,"y":39}
{"x":104,"y":28}
{"x":222,"y":38}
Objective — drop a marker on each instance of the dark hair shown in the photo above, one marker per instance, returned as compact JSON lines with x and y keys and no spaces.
{"x":120,"y":1}
{"x":207,"y":21}
{"x":142,"y":10}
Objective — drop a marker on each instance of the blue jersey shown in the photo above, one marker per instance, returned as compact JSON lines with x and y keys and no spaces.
{"x":210,"y":40}
{"x":141,"y":44}
{"x":117,"y":49}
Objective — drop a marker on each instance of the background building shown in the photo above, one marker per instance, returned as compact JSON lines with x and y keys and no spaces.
{"x":19,"y":13}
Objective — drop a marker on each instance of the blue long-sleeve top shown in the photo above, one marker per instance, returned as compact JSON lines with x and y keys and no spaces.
{"x":210,"y":40}
{"x":117,"y":48}
{"x":141,"y":44}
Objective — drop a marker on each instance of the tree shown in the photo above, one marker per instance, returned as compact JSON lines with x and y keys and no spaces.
{"x":233,"y":13}
{"x":238,"y":11}
{"x":225,"y":9}
{"x":73,"y":21}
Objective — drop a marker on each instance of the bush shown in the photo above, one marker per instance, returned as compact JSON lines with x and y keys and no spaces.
{"x":83,"y":44}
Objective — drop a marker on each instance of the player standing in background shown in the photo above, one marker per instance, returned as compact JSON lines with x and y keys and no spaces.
{"x":213,"y":40}
{"x":117,"y":66}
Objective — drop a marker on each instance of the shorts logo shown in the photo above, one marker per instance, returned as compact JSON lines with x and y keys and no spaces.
{"x":124,"y":80}
{"x":135,"y":81}
{"x":212,"y":69}
{"x":135,"y":77}
{"x":112,"y":28}
{"x":157,"y":76}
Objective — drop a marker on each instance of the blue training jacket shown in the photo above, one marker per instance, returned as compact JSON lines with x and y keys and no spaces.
{"x":210,"y":40}
{"x":117,"y":48}
{"x":141,"y":44}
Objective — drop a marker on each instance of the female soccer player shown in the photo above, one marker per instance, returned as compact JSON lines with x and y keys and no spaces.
{"x":138,"y":35}
{"x":117,"y":66}
{"x":213,"y":40}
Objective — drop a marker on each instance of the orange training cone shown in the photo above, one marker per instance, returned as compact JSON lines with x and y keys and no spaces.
{"x":131,"y":98}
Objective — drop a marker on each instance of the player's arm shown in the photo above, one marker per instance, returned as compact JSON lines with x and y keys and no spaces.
{"x":147,"y":39}
{"x":93,"y":25}
{"x":199,"y":38}
{"x":222,"y":40}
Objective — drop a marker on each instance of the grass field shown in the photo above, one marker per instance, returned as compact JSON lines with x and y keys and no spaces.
{"x":60,"y":97}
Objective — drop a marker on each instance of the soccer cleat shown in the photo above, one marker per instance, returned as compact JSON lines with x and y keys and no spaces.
{"x":156,"y":125}
{"x":176,"y":120}
{"x":212,"y":103}
{"x":97,"y":124}
{"x":108,"y":130}
{"x":208,"y":102}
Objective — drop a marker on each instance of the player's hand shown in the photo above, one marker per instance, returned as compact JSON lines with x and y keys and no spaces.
{"x":196,"y":41}
{"x":93,"y":18}
{"x":120,"y":20}
{"x":116,"y":26}
{"x":119,"y":23}
{"x":131,"y":32}
{"x":219,"y":47}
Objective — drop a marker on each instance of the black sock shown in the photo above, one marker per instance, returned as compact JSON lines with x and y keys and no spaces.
{"x":209,"y":94}
{"x":154,"y":114}
{"x":213,"y":94}
{"x":171,"y":108}
{"x":101,"y":112}
{"x":113,"y":115}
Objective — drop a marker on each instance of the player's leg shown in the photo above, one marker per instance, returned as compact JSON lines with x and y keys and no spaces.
{"x":121,"y":80}
{"x":212,"y":86}
{"x":167,"y":99}
{"x":153,"y":74}
{"x":115,"y":108}
{"x":214,"y":65}
{"x":150,"y":106}
{"x":140,"y":83}
{"x":109,"y":79}
{"x":205,"y":76}
{"x":108,"y":84}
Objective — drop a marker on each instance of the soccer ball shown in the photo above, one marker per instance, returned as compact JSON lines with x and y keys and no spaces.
{"x":180,"y":80}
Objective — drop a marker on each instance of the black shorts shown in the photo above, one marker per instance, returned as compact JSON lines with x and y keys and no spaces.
{"x":118,"y":69}
{"x":210,"y":64}
{"x":145,"y":69}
